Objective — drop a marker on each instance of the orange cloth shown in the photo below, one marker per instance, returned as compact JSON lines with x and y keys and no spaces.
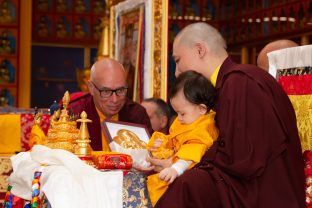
{"x":105,"y":146}
{"x":37,"y":136}
{"x":10,"y":128}
{"x":190,"y":142}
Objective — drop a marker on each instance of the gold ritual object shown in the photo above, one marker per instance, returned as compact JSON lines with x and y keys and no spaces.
{"x":82,"y":148}
{"x":128,"y":139}
{"x":63,"y":133}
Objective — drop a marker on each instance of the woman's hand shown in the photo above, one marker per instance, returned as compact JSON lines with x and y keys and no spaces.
{"x":159,"y":164}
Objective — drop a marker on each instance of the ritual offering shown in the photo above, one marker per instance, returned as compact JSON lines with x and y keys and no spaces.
{"x":130,"y":139}
{"x":112,"y":160}
{"x":82,"y":148}
{"x":164,"y":151}
{"x":63,"y":133}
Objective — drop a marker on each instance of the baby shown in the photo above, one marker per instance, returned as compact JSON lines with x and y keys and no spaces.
{"x":193,"y":131}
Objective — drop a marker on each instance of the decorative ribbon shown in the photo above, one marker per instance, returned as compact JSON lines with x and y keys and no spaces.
{"x":11,"y":201}
{"x":35,"y":201}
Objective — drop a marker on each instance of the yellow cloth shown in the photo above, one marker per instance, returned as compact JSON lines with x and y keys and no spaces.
{"x":190,"y":142}
{"x":10,"y":128}
{"x":214,"y":76}
{"x":105,"y":146}
{"x":37,"y":136}
{"x":303,"y":108}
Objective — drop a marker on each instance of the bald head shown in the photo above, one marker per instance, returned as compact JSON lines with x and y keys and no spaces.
{"x":199,"y":47}
{"x":263,"y":61}
{"x":105,"y":68}
{"x":202,"y":32}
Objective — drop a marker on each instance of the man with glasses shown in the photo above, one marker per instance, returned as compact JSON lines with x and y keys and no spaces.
{"x":107,"y":100}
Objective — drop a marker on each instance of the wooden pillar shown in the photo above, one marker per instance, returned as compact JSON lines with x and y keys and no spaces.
{"x":304,"y":40}
{"x":245,"y":55}
{"x":25,"y":54}
{"x":254,"y":56}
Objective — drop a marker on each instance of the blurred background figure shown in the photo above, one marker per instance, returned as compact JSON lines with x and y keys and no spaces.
{"x":158,"y":112}
{"x":263,"y":61}
{"x":83,"y":75}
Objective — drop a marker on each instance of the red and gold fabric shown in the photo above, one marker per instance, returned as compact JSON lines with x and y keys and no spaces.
{"x":296,"y":85}
{"x":5,"y":171}
{"x":26,"y":123}
{"x":299,"y":90}
{"x":110,"y":160}
{"x":15,"y":131}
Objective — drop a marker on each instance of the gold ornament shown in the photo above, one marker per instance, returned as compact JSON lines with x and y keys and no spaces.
{"x":82,"y":148}
{"x":62,"y":133}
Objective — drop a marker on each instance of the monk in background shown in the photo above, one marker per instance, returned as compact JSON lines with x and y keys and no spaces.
{"x":263,"y":61}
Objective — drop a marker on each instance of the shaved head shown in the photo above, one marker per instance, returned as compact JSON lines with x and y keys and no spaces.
{"x":104,"y":67}
{"x":199,"y":47}
{"x":263,"y":61}
{"x":202,"y":32}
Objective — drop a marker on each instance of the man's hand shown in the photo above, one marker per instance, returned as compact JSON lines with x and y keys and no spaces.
{"x":144,"y":169}
{"x":168,"y":175}
{"x":159,"y":164}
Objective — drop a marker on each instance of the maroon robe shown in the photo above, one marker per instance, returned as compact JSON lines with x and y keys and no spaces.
{"x":131,"y":112}
{"x":257,"y":159}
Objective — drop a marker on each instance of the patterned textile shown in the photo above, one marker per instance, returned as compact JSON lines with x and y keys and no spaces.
{"x":135,"y":194}
{"x":303,"y":108}
{"x":307,"y":156}
{"x":296,"y":85}
{"x":27,"y":121}
{"x":294,"y":71}
{"x":5,"y":171}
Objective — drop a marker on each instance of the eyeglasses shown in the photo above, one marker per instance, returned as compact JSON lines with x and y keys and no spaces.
{"x":106,"y":92}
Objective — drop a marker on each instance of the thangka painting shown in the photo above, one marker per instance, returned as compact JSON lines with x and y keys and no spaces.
{"x":138,"y":39}
{"x":129,"y":51}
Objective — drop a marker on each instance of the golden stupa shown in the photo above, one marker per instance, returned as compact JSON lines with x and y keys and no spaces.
{"x":82,"y":148}
{"x":63,"y":133}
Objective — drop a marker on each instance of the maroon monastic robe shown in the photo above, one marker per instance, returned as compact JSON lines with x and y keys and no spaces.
{"x":256,"y":161}
{"x":131,"y":112}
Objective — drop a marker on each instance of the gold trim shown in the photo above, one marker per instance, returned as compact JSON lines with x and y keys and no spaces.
{"x":137,"y":78}
{"x":164,"y":51}
{"x":159,"y":41}
{"x":112,"y":29}
{"x":160,"y":10}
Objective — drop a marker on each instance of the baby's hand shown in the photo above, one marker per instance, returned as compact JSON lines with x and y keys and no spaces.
{"x":168,"y":175}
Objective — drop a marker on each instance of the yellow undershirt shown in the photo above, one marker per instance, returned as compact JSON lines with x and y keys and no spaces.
{"x":105,"y":145}
{"x":214,"y":76}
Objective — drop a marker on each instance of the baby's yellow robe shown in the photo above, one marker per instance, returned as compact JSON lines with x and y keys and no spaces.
{"x":190,"y":142}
